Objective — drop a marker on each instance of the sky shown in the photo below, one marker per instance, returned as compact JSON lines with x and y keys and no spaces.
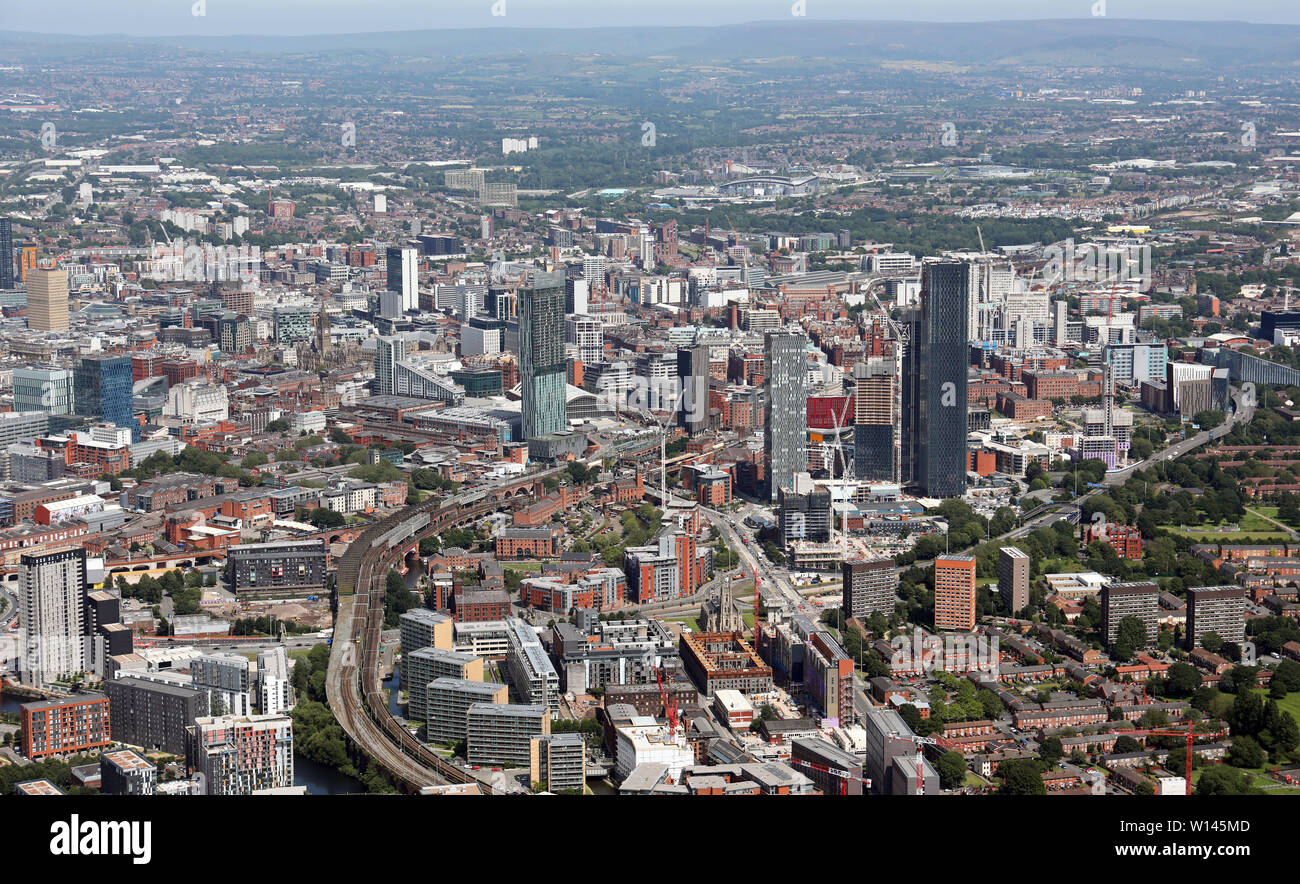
{"x":153,"y":18}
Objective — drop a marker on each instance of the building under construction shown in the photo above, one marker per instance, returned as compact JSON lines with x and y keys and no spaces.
{"x":717,"y":660}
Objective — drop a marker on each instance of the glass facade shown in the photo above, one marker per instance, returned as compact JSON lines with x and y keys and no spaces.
{"x":542,"y":363}
{"x":102,"y":388}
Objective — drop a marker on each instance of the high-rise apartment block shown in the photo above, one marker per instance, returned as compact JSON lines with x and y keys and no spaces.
{"x":1217,"y":609}
{"x":785,"y":437}
{"x":240,"y":755}
{"x":1138,"y":599}
{"x":542,"y":363}
{"x":934,"y":382}
{"x":52,"y":616}
{"x":1013,"y":578}
{"x":870,"y":587}
{"x":954,"y":592}
{"x":404,"y":275}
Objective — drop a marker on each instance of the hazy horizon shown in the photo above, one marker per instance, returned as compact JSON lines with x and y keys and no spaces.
{"x":299,"y":18}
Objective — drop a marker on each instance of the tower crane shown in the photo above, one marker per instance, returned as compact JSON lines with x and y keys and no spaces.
{"x":1190,"y":735}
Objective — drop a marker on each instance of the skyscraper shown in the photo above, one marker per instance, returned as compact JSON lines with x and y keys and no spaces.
{"x":404,"y":275}
{"x":785,"y":439}
{"x":541,"y":354}
{"x":693,"y":381}
{"x":47,"y":299}
{"x":51,"y":598}
{"x":388,"y":352}
{"x":874,"y":387}
{"x":102,"y":388}
{"x":6,"y":254}
{"x":934,"y":382}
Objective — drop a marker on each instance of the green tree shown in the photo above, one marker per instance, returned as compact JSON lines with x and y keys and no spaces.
{"x":951,"y":767}
{"x":1021,"y":777}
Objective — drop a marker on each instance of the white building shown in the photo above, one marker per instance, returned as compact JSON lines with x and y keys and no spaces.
{"x":646,"y":742}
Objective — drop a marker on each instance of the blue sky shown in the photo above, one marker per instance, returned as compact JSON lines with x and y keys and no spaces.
{"x":174,"y":17}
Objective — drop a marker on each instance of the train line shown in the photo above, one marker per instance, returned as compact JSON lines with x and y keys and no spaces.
{"x":353,"y":684}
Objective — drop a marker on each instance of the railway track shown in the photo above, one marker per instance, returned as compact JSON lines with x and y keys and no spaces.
{"x":353,"y":685}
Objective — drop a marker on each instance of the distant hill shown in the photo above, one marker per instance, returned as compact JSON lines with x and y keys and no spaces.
{"x":1223,"y":46}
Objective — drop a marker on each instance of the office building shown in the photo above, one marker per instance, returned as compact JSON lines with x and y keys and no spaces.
{"x":870,"y":587}
{"x":44,"y":389}
{"x":66,"y":726}
{"x":1137,"y":599}
{"x":47,"y":299}
{"x":52,"y":616}
{"x":240,"y":755}
{"x":101,"y":387}
{"x":954,"y":592}
{"x":934,"y":382}
{"x":723,"y":660}
{"x":785,"y":437}
{"x":404,"y":275}
{"x":542,"y":363}
{"x":153,"y":715}
{"x":1217,"y":609}
{"x":447,"y":705}
{"x":501,"y":734}
{"x":126,"y":772}
{"x":1013,"y":578}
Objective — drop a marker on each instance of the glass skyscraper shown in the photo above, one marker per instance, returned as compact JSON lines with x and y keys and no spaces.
{"x":542,"y":361}
{"x":785,"y":438}
{"x":102,"y":388}
{"x":934,"y":382}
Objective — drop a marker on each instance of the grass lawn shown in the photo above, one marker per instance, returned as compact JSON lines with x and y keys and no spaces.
{"x":1289,"y":703}
{"x":692,"y":622}
{"x":974,"y":779}
{"x":522,"y":566}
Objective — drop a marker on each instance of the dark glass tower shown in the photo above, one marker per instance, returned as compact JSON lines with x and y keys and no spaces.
{"x":6,"y":254}
{"x":542,"y":362}
{"x":934,"y":381}
{"x":785,"y":438}
{"x":101,"y":388}
{"x":693,"y":380}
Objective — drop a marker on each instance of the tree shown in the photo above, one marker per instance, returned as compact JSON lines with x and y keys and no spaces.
{"x":1021,"y":777}
{"x":1051,"y":750}
{"x":1245,"y":752}
{"x":1211,"y":642}
{"x":1222,"y":780}
{"x":951,"y":767}
{"x":1130,"y":637}
{"x":1126,"y":744}
{"x":1182,"y":680}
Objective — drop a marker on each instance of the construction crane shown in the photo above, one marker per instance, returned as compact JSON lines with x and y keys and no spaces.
{"x":1190,"y":735}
